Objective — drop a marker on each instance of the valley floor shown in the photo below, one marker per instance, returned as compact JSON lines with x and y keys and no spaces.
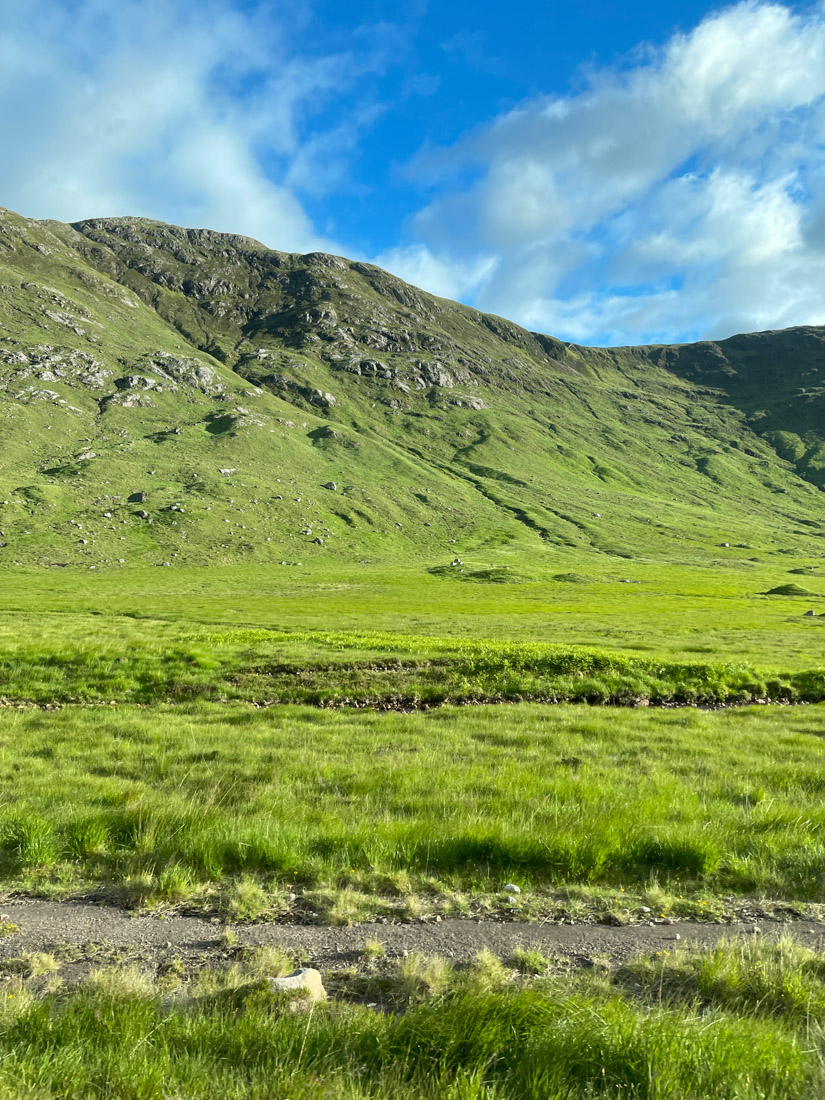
{"x":523,"y":901}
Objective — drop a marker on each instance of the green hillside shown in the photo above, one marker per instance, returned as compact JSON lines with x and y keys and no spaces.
{"x":183,"y":396}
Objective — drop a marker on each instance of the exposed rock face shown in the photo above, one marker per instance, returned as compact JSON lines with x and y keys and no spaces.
{"x":48,"y":364}
{"x":325,"y":304}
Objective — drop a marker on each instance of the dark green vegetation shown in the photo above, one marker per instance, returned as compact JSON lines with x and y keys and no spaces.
{"x":375,"y":670}
{"x":745,"y":1023}
{"x":365,"y":813}
{"x":217,"y":386}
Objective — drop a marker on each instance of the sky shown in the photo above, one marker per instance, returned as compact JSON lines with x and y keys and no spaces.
{"x":606,"y":172}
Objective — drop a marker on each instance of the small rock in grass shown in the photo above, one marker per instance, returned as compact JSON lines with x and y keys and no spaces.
{"x":304,"y":980}
{"x":330,"y":485}
{"x":297,"y":992}
{"x":511,"y":888}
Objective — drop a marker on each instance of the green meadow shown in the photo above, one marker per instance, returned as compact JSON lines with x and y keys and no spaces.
{"x":345,"y":744}
{"x":378,"y":814}
{"x":227,"y":740}
{"x":715,"y":612}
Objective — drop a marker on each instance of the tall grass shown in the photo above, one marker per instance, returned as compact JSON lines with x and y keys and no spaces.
{"x":172,"y":799}
{"x":464,"y":1035}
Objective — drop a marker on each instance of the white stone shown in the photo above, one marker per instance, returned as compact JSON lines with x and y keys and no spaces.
{"x":305,"y":979}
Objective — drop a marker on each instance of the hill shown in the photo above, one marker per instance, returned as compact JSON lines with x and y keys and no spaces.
{"x":171,"y":395}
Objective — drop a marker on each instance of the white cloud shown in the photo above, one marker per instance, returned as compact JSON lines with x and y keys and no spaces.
{"x":417,"y":265}
{"x":189,"y":113}
{"x":682,"y":197}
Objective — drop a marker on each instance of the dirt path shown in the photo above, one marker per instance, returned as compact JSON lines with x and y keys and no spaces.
{"x":99,"y":931}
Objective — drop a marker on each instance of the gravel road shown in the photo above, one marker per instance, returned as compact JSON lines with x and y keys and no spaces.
{"x":44,"y":924}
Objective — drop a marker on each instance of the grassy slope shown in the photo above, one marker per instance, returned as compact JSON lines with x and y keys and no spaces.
{"x":516,"y":450}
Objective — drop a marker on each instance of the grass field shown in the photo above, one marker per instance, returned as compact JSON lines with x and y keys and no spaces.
{"x":713,"y":612}
{"x":402,"y":638}
{"x":744,"y":1023}
{"x":210,"y":780}
{"x":363,"y":813}
{"x":266,"y":745}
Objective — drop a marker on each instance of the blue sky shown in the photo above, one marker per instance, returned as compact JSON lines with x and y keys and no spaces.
{"x":606,"y":172}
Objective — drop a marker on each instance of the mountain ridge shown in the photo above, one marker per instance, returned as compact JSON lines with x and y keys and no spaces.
{"x":222,"y":381}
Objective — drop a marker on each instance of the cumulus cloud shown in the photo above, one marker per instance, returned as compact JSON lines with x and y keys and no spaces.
{"x":416,"y":264}
{"x":680,"y":197}
{"x":201,"y":114}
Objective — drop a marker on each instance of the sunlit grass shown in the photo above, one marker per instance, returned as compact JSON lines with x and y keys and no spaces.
{"x":53,"y":666}
{"x":169,"y":801}
{"x":685,"y":611}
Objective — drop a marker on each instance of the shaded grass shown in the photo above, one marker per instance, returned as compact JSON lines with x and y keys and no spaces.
{"x":769,"y":980}
{"x":357,"y":811}
{"x":468,"y":1034}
